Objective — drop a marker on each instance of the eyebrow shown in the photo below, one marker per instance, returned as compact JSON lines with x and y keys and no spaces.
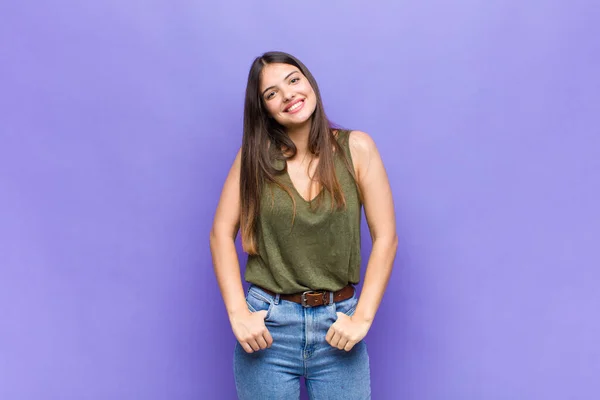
{"x":271,"y":87}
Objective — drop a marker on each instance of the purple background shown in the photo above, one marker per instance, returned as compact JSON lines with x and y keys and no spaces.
{"x":119,"y":121}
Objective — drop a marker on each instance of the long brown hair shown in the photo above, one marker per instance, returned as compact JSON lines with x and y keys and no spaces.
{"x":258,"y":157}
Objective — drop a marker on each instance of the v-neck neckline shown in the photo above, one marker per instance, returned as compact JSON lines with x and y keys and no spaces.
{"x":289,"y":177}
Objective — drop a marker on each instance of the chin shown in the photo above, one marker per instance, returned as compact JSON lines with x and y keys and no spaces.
{"x":298,"y":122}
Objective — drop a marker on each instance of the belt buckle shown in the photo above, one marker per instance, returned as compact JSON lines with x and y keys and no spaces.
{"x":303,"y":297}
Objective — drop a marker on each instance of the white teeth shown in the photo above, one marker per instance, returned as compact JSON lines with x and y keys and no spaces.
{"x":295,"y":106}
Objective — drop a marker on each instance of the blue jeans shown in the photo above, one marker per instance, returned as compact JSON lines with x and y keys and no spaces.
{"x":299,"y":350}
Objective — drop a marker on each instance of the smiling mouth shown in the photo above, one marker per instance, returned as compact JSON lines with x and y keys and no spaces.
{"x":295,"y":107}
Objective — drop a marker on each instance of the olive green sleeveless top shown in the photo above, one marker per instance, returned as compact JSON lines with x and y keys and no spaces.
{"x":320,"y":250}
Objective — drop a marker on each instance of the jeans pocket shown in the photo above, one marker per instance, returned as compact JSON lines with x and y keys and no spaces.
{"x":256,"y":301}
{"x":347,"y":306}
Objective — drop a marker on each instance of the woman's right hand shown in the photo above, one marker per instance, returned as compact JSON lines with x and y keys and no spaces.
{"x":250,"y":330}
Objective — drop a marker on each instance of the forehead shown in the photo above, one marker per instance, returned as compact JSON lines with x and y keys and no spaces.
{"x":273,"y":74}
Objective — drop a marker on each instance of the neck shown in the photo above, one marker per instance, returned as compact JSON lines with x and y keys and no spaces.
{"x":299,"y":135}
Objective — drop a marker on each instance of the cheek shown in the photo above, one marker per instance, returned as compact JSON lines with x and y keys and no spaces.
{"x":271,"y":108}
{"x":313,"y":102}
{"x":311,"y":94}
{"x":308,"y":89}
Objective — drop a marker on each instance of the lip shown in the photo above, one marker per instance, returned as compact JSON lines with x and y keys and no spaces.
{"x":287,"y":109}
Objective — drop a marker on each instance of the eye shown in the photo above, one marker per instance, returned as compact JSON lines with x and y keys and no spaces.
{"x":270,"y":95}
{"x":294,"y":80}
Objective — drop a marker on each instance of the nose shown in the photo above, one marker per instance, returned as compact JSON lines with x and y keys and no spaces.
{"x":288,"y":95}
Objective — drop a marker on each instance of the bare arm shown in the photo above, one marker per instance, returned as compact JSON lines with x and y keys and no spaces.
{"x":249,"y":328}
{"x":222,"y":242}
{"x":379,"y":210}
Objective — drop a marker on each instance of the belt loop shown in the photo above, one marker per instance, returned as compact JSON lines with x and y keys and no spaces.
{"x":330,"y":297}
{"x":276,"y":299}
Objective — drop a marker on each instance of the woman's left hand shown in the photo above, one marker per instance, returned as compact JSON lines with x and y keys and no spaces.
{"x":347,"y":331}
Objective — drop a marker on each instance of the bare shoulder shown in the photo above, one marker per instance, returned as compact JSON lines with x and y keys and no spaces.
{"x":362,"y":148}
{"x":236,"y":166}
{"x":238,"y":157}
{"x":235,"y":171}
{"x":361,"y":142}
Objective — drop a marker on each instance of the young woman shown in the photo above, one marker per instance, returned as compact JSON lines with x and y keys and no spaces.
{"x":295,"y":191}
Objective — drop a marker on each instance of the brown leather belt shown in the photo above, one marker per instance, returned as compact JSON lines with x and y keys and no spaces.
{"x":313,"y":298}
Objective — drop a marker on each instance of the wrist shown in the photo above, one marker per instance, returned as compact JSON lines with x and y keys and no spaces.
{"x":362,"y":316}
{"x":242,"y":309}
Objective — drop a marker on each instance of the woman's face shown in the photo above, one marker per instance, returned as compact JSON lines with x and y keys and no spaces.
{"x":287,"y":95}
